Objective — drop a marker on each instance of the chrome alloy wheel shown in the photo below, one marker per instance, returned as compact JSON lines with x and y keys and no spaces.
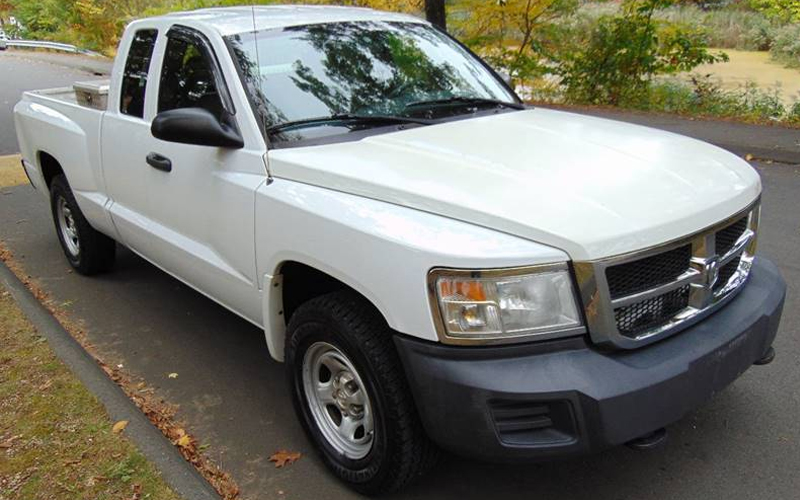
{"x":68,"y":228}
{"x":338,"y":400}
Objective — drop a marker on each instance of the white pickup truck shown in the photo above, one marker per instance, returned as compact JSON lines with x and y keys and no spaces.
{"x":438,"y":265}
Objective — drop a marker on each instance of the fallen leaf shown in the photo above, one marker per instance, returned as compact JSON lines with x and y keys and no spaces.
{"x":749,"y":157}
{"x":8,"y":442}
{"x":119,"y":426}
{"x":184,"y":441}
{"x":283,"y":457}
{"x":173,"y":375}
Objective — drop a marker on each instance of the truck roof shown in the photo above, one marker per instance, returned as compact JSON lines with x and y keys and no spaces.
{"x":232,"y":20}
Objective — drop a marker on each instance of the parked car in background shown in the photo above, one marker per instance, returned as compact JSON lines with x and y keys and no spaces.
{"x":438,"y":265}
{"x":3,"y":40}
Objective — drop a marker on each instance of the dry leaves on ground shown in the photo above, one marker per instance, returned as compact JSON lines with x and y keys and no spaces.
{"x":283,"y":457}
{"x":160,"y":413}
{"x":119,"y":426}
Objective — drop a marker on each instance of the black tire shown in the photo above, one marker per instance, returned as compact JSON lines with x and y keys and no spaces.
{"x":96,"y":251}
{"x":400,"y":449}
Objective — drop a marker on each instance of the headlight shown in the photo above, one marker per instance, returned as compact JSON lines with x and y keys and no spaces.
{"x":504,"y":305}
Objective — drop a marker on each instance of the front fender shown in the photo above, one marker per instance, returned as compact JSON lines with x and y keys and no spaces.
{"x":383,"y":251}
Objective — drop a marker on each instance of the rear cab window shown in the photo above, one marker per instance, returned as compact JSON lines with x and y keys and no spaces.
{"x":134,"y":77}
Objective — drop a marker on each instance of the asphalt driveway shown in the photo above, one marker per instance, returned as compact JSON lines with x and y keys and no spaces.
{"x":745,"y":443}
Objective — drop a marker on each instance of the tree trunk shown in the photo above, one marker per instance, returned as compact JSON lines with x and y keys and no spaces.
{"x":435,"y":13}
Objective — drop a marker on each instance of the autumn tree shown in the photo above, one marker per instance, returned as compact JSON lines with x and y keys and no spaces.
{"x":503,"y":31}
{"x":783,"y":10}
{"x":5,"y":11}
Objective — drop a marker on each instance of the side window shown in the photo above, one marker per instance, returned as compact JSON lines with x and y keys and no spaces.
{"x":134,"y":78}
{"x":187,"y":78}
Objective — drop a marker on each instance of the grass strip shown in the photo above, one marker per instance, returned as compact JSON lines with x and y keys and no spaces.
{"x":56,"y":440}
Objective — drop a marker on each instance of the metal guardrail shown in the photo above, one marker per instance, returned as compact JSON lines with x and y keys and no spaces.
{"x":38,"y":44}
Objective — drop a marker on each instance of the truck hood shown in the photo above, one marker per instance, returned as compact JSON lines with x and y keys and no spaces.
{"x":591,"y":187}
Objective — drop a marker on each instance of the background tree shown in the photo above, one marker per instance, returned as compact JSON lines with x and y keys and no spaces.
{"x":783,"y":10}
{"x":504,"y":32}
{"x":616,"y":61}
{"x":5,"y":11}
{"x":435,"y":13}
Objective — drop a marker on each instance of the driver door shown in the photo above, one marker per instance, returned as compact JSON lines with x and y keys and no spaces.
{"x":201,"y":199}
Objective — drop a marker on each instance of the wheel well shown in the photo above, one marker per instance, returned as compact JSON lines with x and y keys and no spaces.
{"x":302,"y":283}
{"x":50,"y":167}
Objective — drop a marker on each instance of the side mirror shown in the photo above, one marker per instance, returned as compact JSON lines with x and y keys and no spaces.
{"x":196,"y":126}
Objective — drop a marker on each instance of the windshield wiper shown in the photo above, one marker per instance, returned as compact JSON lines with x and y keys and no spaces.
{"x":324,"y":120}
{"x":464,"y":100}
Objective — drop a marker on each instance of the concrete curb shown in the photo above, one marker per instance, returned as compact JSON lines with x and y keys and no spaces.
{"x":177,"y":472}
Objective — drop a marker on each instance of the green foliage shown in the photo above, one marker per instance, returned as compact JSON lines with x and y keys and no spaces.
{"x":730,"y":28}
{"x":98,"y":24}
{"x":92,"y":24}
{"x":786,"y":45}
{"x":744,"y":30}
{"x":793,"y":116}
{"x":615,"y":61}
{"x":705,"y":97}
{"x":784,"y":10}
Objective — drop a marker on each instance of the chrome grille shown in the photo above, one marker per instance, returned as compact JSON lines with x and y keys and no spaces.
{"x":647,"y":273}
{"x":636,"y":299}
{"x":726,"y":272}
{"x":728,"y":236}
{"x":641,"y":316}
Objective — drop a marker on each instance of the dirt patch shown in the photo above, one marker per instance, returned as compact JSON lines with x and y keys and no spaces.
{"x":755,"y":67}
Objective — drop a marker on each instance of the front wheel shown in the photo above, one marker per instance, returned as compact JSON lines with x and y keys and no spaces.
{"x":87,"y":250}
{"x":348,"y":386}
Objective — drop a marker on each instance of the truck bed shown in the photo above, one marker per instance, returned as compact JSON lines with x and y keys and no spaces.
{"x":58,"y":122}
{"x":89,"y":94}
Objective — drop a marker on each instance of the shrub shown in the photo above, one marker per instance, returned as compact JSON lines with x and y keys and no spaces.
{"x":704,"y":96}
{"x":726,"y":28}
{"x":786,"y":45}
{"x":784,"y":10}
{"x":793,"y":116}
{"x":615,"y":61}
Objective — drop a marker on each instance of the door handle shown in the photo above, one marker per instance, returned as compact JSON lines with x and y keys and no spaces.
{"x":159,"y":162}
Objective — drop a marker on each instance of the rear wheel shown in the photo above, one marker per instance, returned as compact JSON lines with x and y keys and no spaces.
{"x":349,"y":388}
{"x":87,"y":250}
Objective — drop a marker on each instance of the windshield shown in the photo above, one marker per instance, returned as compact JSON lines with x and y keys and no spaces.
{"x":305,"y":73}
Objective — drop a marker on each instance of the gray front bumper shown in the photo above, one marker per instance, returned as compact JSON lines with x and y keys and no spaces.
{"x":563,"y":398}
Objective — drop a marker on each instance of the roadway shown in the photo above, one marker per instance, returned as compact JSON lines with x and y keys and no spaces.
{"x":743,"y":444}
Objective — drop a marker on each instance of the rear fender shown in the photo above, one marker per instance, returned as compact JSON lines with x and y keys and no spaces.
{"x":74,"y":143}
